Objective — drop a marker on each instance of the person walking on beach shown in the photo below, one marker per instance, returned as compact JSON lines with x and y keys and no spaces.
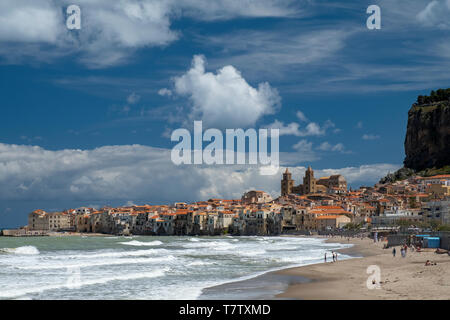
{"x":394,"y":252}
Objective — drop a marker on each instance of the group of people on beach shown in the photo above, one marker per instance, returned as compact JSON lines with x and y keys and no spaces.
{"x":335,"y":256}
{"x":430,"y":263}
{"x":403,"y":251}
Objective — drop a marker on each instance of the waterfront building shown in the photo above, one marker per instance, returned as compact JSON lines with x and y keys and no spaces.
{"x":59,"y":221}
{"x":331,"y":222}
{"x":38,"y":220}
{"x":200,"y":220}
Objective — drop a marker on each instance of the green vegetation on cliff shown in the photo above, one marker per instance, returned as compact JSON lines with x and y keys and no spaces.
{"x":400,"y":174}
{"x":405,"y":173}
{"x":434,"y":171}
{"x":435,"y":96}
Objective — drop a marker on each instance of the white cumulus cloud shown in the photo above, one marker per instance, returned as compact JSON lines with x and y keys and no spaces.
{"x":294,"y":129}
{"x":339,"y":147}
{"x":225,"y":99}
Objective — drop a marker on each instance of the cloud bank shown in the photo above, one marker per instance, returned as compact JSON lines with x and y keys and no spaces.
{"x":136,"y":172}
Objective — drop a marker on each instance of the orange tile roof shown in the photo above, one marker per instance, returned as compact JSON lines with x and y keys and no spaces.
{"x":330,"y":212}
{"x":439,"y":176}
{"x":327,"y":217}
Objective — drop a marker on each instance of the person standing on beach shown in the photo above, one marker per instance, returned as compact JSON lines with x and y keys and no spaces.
{"x":325,"y":257}
{"x":394,"y":252}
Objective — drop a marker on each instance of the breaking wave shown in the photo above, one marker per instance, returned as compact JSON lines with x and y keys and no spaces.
{"x":136,"y":243}
{"x":25,"y":250}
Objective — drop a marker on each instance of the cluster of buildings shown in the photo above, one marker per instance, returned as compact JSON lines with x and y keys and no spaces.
{"x":331,"y":184}
{"x":315,"y":205}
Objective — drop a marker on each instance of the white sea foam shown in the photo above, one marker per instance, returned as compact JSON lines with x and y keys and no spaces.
{"x":298,"y":259}
{"x":251,"y":252}
{"x":115,"y":254}
{"x":199,"y":263}
{"x":39,"y":289}
{"x":136,"y":243}
{"x":25,"y":250}
{"x":215,"y":245}
{"x":126,"y":261}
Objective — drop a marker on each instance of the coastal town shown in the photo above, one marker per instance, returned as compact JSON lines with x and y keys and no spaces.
{"x":323,"y":204}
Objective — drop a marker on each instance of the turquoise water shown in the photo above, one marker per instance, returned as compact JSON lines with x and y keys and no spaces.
{"x":142,"y":267}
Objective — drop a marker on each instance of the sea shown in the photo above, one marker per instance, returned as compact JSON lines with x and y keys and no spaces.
{"x":147,"y":267}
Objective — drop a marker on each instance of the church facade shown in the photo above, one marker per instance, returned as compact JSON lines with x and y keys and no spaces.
{"x":311,"y":185}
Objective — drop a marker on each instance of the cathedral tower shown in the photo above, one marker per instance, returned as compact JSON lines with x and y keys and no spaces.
{"x":309,"y":183}
{"x":286,"y":183}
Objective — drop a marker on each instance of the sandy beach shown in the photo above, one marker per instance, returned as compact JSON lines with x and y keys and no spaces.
{"x":401,"y":278}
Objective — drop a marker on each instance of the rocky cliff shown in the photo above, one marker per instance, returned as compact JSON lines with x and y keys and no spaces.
{"x":427,"y":143}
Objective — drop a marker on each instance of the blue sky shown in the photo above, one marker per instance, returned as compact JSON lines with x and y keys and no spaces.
{"x":86,"y":115}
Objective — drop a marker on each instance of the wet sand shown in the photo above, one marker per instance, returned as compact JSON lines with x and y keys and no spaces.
{"x":263,"y":287}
